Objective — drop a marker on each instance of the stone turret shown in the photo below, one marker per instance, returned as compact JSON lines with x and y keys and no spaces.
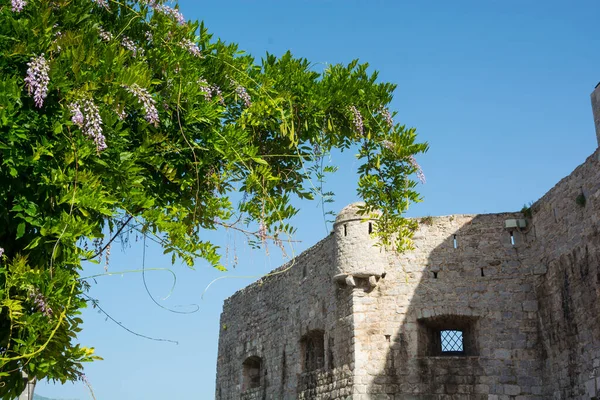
{"x":356,"y":252}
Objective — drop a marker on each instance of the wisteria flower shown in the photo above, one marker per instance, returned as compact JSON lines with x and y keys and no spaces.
{"x":92,"y":126}
{"x":1,"y":252}
{"x":357,"y":119}
{"x":205,"y":87}
{"x":102,"y":3}
{"x":130,"y":45}
{"x":216,"y":92}
{"x":18,"y":5}
{"x":242,"y":93}
{"x":387,"y":144}
{"x":40,"y":302}
{"x":416,"y":165}
{"x":387,"y":116}
{"x":147,"y":101}
{"x":149,"y":36}
{"x":37,"y":79}
{"x":76,"y":114}
{"x":89,"y":121}
{"x":191,"y":47}
{"x":169,"y":11}
{"x":120,"y":111}
{"x":104,"y":35}
{"x":262,"y":231}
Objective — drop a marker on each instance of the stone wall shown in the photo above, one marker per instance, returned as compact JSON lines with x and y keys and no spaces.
{"x":464,"y":274}
{"x":269,"y":319}
{"x":566,"y":226}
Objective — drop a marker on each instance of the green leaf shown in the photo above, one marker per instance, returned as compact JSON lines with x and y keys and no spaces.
{"x":20,"y":230}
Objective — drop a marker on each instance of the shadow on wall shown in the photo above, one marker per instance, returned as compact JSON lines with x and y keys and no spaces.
{"x":460,"y":315}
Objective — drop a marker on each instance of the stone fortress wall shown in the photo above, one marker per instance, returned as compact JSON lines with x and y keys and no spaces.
{"x":348,"y":320}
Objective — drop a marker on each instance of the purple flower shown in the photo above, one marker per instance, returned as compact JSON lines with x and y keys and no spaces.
{"x":262,"y":231}
{"x":147,"y":101}
{"x":414,"y":164}
{"x":40,"y":302}
{"x":357,"y":120}
{"x":1,"y":252}
{"x":191,"y":47}
{"x":387,"y":144}
{"x":149,"y":36}
{"x":76,"y":114}
{"x":242,"y":93}
{"x":388,"y":117}
{"x":205,"y":87}
{"x":104,"y":35}
{"x":216,"y":91}
{"x":17,"y":5}
{"x":89,"y":122}
{"x":102,"y":3}
{"x":37,"y":79}
{"x":120,"y":111}
{"x":168,"y":11}
{"x":130,"y":45}
{"x":92,"y":126}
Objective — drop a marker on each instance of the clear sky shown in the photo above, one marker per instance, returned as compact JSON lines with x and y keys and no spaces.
{"x":499,"y":89}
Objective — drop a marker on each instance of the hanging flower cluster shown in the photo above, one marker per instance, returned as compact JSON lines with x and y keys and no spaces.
{"x":262,"y":231}
{"x":357,"y":119}
{"x":76,"y":114}
{"x":147,"y":101}
{"x":89,"y":121}
{"x":130,"y":45}
{"x":387,"y":116}
{"x":149,"y":36}
{"x":420,"y":174}
{"x":40,"y":302}
{"x":206,"y":88}
{"x":387,"y":144}
{"x":120,"y":111}
{"x":17,"y":5}
{"x":37,"y":79}
{"x":1,"y":252}
{"x":166,"y":10}
{"x":104,"y":35}
{"x":242,"y":93}
{"x":191,"y":47}
{"x":211,"y":91}
{"x":102,"y":3}
{"x":171,"y":12}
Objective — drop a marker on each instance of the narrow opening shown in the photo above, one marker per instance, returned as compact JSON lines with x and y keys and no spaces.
{"x":345,"y":230}
{"x":251,"y":374}
{"x":313,"y":351}
{"x":482,"y":274}
{"x":512,"y":238}
{"x":330,"y":346}
{"x":434,"y":275}
{"x":304,"y":271}
{"x":370,"y":228}
{"x":455,"y":242}
{"x":388,"y":338}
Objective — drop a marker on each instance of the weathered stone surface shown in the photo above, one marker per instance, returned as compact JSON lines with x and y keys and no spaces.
{"x":527,"y":302}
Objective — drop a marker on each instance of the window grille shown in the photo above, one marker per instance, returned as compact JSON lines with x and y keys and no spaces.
{"x":452,"y":341}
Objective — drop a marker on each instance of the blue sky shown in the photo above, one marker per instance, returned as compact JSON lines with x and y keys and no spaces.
{"x":499,"y":89}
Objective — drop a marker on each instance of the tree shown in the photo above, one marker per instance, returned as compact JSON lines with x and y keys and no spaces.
{"x":121,"y":115}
